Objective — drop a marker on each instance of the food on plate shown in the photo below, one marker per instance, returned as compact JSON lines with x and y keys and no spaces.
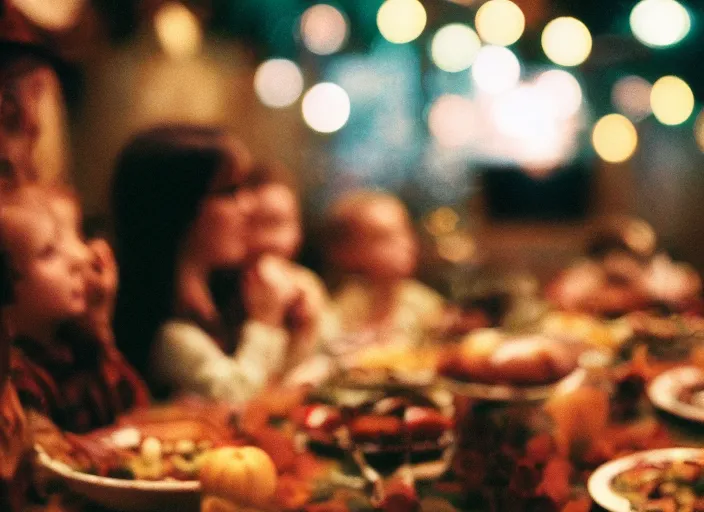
{"x":148,"y":457}
{"x":677,"y":285}
{"x":424,"y":423}
{"x":169,"y":443}
{"x":602,"y":288}
{"x":587,"y":329}
{"x":693,"y":395}
{"x":680,"y":391}
{"x":670,"y":486}
{"x":380,"y":422}
{"x":392,"y":364}
{"x":318,"y":419}
{"x":667,"y":338}
{"x":243,"y":475}
{"x":377,"y":429}
{"x":489,"y":357}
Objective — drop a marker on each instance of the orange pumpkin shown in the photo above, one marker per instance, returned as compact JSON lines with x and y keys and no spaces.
{"x":243,"y":475}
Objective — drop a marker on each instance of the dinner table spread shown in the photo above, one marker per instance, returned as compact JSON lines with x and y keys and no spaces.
{"x":506,"y":453}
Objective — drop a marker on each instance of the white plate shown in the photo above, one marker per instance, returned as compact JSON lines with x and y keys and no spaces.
{"x":125,"y":495}
{"x":599,"y":484}
{"x":664,"y":392}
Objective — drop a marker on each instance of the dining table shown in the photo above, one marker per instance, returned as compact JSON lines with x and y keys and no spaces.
{"x":504,"y":456}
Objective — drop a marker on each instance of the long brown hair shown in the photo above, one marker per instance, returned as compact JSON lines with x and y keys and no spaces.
{"x":161,"y":178}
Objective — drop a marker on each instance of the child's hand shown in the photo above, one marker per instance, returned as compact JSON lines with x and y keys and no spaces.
{"x":268,"y":291}
{"x":303,"y":316}
{"x":101,"y":284}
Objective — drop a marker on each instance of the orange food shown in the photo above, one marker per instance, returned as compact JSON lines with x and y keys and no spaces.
{"x":244,"y":475}
{"x":491,"y":358}
{"x":375,"y":428}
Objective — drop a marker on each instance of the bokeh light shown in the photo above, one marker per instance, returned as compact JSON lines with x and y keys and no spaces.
{"x":442,"y":221}
{"x":496,"y":69}
{"x":672,"y":100}
{"x":523,"y":111}
{"x":500,"y":22}
{"x":456,"y":247}
{"x":278,"y":82}
{"x":699,"y":130}
{"x":631,"y":97}
{"x":401,"y":21}
{"x":323,"y":29}
{"x":450,"y":120}
{"x":178,"y":31}
{"x":563,"y":89}
{"x":454,"y":47}
{"x":566,"y":41}
{"x":614,"y":138}
{"x":326,"y":107}
{"x":659,"y":23}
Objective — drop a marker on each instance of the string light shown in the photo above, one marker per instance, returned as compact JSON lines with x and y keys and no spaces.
{"x":323,"y":29}
{"x":614,"y":138}
{"x":631,"y":97}
{"x":278,"y":83}
{"x":672,"y":100}
{"x":659,"y":23}
{"x":563,"y":90}
{"x":401,"y":21}
{"x":566,"y":41}
{"x":500,"y":22}
{"x":326,"y":107}
{"x":442,"y":221}
{"x":454,"y":47}
{"x":496,"y":69}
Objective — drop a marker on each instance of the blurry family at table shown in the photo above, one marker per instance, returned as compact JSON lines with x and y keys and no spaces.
{"x":198,"y":292}
{"x":202,"y":294}
{"x":209,"y":299}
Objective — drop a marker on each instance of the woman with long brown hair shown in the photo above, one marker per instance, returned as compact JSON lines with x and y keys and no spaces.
{"x":182,"y":213}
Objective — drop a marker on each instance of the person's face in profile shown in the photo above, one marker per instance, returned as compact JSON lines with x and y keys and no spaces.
{"x":276,"y":223}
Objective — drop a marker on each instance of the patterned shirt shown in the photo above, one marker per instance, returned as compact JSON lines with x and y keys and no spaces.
{"x":78,"y":382}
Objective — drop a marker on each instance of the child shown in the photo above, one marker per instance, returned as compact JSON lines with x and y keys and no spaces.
{"x":372,"y":243}
{"x":275,"y":238}
{"x":60,"y":369}
{"x":100,"y":272}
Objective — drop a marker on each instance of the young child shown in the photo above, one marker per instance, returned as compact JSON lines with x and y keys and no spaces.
{"x":60,"y":369}
{"x":371,"y":242}
{"x":101,"y":272}
{"x":275,"y":239}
